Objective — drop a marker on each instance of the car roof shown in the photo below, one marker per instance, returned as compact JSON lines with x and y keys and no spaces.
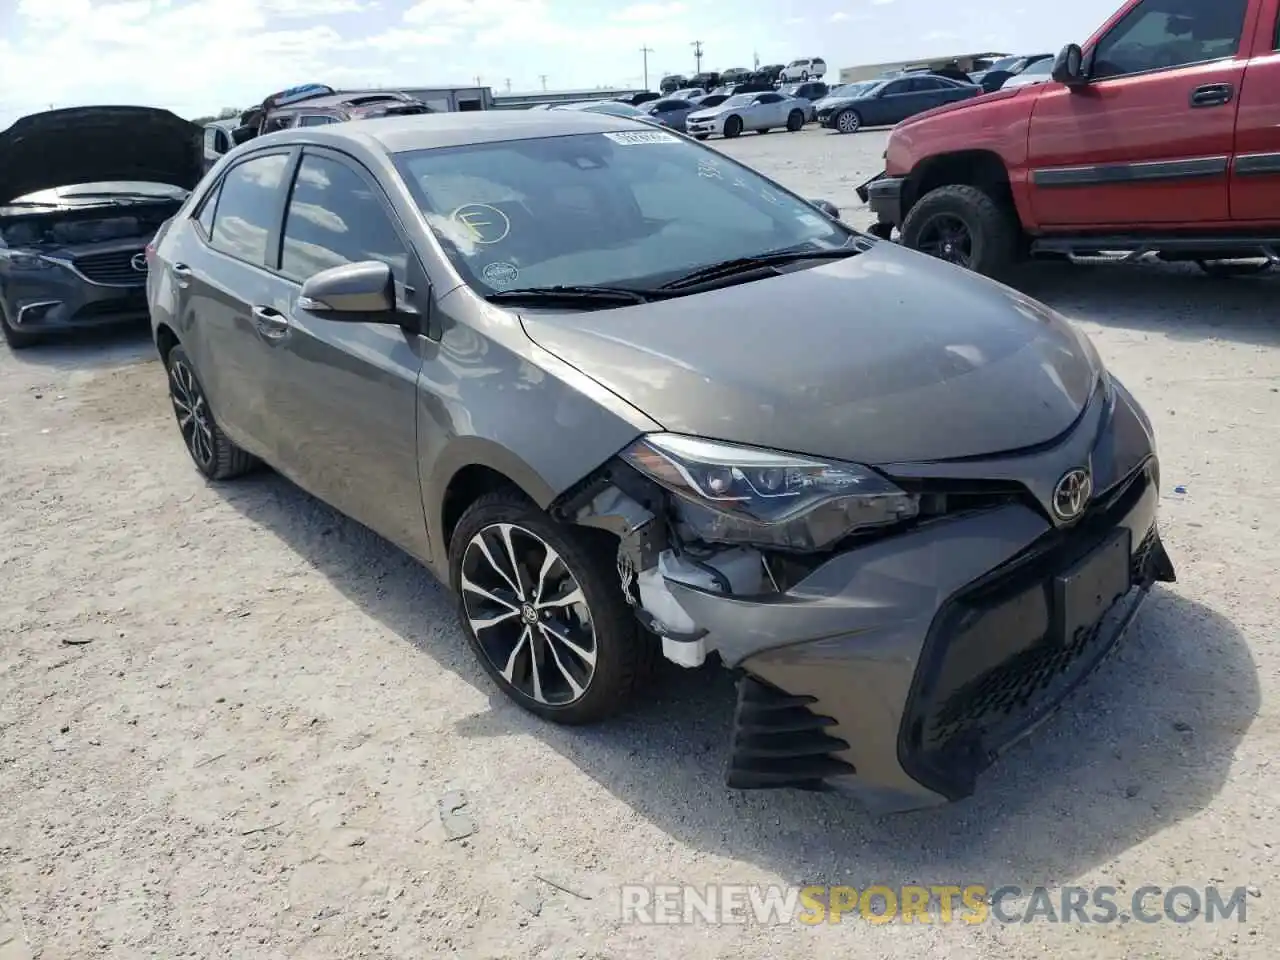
{"x":339,"y":100}
{"x":398,"y":134}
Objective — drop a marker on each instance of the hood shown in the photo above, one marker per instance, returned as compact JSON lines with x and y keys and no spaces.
{"x":89,"y":144}
{"x":889,"y":356}
{"x":708,"y":113}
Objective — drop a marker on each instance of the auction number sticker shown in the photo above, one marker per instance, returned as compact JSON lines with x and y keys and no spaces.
{"x":500,"y":274}
{"x":642,"y":136}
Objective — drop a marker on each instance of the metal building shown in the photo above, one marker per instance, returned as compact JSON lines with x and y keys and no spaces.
{"x":968,"y":62}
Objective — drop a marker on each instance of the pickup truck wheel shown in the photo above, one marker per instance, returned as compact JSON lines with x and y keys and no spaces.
{"x":965,"y":226}
{"x":847,"y":121}
{"x":1233,"y":268}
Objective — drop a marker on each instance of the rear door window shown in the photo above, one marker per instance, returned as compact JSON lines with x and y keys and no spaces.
{"x":248,"y":205}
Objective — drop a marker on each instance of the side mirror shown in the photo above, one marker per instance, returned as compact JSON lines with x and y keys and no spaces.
{"x":365,"y":291}
{"x":827,"y":207}
{"x":1068,"y":66}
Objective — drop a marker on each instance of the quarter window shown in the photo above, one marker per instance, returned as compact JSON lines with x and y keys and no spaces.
{"x":1162,"y":34}
{"x":247,"y":205}
{"x":335,"y":218}
{"x":206,"y":211}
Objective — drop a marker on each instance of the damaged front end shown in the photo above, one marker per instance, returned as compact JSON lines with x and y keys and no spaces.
{"x":894,"y":633}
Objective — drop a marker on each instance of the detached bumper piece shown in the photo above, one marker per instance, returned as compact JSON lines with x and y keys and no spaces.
{"x":779,"y":742}
{"x":883,"y":194}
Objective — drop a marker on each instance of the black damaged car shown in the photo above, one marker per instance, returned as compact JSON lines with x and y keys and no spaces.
{"x":82,"y":193}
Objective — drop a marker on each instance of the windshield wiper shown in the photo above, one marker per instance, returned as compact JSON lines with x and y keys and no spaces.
{"x":117,"y":196}
{"x":28,"y":203}
{"x":579,"y":295}
{"x":728,"y":268}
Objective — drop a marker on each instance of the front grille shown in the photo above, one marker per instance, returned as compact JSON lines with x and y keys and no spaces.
{"x":992,"y":666}
{"x":779,"y":742}
{"x":114,"y":268}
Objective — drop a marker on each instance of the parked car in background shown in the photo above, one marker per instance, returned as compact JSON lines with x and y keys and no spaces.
{"x":810,"y":69}
{"x":735,"y":75}
{"x":708,"y":80}
{"x":628,"y":399}
{"x":82,"y":192}
{"x":687,"y":93}
{"x":709,"y":100}
{"x":670,"y":112}
{"x":811,"y":91}
{"x":636,"y":99}
{"x":760,"y":112}
{"x":891,"y":101}
{"x":315,"y":105}
{"x":1000,"y":70}
{"x":769,"y":73}
{"x":1160,"y":137}
{"x":611,"y":107}
{"x":218,"y":140}
{"x":671,"y":83}
{"x":1039,"y":72}
{"x":749,"y":86}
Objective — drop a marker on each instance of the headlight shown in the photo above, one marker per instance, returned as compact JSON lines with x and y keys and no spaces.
{"x":17,"y":260}
{"x":745,"y":495}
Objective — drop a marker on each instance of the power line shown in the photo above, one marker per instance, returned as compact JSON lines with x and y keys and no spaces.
{"x":644,"y":52}
{"x":697,"y":55}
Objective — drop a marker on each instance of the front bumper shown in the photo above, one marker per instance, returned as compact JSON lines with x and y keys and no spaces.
{"x":900,"y":670}
{"x":61,"y":297}
{"x":883,"y":194}
{"x":713,"y":126}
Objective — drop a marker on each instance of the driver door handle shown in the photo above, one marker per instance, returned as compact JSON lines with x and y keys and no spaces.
{"x":270,"y":323}
{"x":1212,"y":95}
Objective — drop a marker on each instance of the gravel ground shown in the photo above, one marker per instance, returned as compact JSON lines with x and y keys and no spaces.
{"x":229,"y":718}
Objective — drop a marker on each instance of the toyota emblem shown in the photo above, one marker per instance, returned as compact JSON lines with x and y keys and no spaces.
{"x":1072,"y":494}
{"x":139,"y":262}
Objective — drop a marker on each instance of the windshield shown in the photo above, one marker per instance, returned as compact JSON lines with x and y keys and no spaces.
{"x":1005,"y":63}
{"x":104,"y":190}
{"x":1037,"y":68}
{"x":635,"y":208}
{"x":739,"y":100}
{"x":608,"y":106}
{"x":859,"y":89}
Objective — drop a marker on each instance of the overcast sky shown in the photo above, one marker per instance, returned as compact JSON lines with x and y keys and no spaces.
{"x":195,"y":56}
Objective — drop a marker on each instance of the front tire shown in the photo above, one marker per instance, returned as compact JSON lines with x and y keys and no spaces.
{"x":213,"y":454}
{"x":847,"y":121}
{"x":795,"y":120}
{"x":965,"y":226}
{"x":732,"y":127}
{"x":544,"y":611}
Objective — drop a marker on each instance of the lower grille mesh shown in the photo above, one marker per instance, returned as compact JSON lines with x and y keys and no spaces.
{"x":779,"y":742}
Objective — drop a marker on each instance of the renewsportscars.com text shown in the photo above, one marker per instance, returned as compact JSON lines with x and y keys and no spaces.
{"x":935,"y":904}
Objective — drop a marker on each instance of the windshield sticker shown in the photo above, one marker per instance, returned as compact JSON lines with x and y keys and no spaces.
{"x":739,"y":182}
{"x":500,"y":274}
{"x":642,"y":136}
{"x":709,"y":170}
{"x":811,"y":220}
{"x":482,"y":223}
{"x":771,"y":197}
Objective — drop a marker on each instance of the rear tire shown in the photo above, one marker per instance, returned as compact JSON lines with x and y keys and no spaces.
{"x":795,"y":121}
{"x":213,"y":454}
{"x":964,"y":225}
{"x":732,"y":127}
{"x":503,"y":541}
{"x":16,"y":338}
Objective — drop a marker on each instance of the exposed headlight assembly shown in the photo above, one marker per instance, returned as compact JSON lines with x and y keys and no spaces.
{"x":17,"y":260}
{"x":745,"y":495}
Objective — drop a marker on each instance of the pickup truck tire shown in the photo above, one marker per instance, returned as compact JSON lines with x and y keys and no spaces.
{"x":965,"y":226}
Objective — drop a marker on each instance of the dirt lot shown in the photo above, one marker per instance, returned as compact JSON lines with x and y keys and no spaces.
{"x":229,"y":717}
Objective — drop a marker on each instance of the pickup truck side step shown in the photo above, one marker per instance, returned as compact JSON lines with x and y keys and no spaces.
{"x":1127,"y":249}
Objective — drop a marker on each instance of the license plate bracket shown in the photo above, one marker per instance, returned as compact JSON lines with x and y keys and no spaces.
{"x":1082,"y":594}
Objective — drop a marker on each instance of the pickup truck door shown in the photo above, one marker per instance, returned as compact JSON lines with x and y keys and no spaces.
{"x":1255,"y":170}
{"x":1148,"y":141}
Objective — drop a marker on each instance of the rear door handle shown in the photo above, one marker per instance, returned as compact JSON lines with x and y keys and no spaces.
{"x":1212,"y":95}
{"x":270,"y":323}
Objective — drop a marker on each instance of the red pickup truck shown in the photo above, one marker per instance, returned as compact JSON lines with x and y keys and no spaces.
{"x":1161,"y":135}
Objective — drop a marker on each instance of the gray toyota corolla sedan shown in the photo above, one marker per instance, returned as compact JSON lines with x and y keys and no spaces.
{"x":629,"y":398}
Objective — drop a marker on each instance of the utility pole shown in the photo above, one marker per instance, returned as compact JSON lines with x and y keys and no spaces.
{"x":755,"y":60}
{"x":508,"y":83}
{"x":478,"y":83}
{"x":644,"y":52}
{"x":697,"y":55}
{"x":543,"y":78}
